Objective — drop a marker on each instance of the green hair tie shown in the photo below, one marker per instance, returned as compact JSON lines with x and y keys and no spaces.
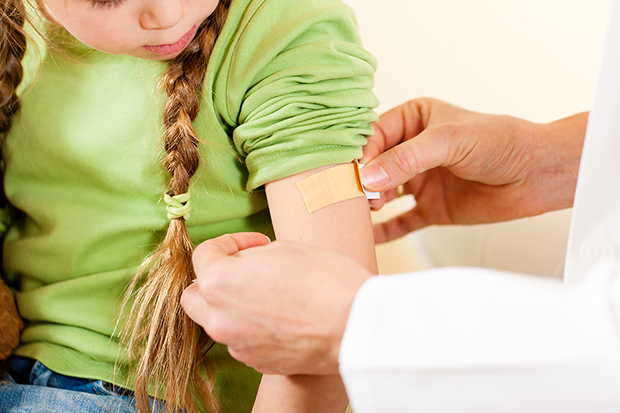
{"x":178,"y":206}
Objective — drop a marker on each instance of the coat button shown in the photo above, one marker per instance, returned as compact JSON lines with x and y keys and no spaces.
{"x":596,"y":251}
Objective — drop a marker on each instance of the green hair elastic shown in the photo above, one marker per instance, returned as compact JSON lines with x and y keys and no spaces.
{"x":178,"y":206}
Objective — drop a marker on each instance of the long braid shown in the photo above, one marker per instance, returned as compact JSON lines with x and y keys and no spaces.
{"x":173,"y":345}
{"x":12,"y":50}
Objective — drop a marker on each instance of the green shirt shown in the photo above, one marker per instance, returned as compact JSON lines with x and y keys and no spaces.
{"x":287,"y":90}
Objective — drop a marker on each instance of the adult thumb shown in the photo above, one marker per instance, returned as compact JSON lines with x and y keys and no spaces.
{"x":223,"y":246}
{"x":405,"y":160}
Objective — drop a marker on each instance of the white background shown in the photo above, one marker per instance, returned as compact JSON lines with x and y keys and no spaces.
{"x":536,"y":59}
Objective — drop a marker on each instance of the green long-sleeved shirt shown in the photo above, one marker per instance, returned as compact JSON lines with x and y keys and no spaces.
{"x":287,"y":90}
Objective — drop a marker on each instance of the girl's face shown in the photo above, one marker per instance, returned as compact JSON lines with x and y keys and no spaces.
{"x":148,"y":29}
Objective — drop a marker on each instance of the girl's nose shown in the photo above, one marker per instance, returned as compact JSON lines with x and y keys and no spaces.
{"x":162,"y":14}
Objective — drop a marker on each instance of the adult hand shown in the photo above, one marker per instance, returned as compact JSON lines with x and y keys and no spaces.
{"x":280,"y":307}
{"x":465,"y":167}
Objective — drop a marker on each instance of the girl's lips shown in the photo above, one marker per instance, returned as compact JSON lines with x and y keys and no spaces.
{"x":168,"y":49}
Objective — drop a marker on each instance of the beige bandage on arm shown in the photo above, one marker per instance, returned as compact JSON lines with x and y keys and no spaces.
{"x":330,"y":186}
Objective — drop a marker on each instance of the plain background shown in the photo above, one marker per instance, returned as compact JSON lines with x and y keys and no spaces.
{"x":535,"y":59}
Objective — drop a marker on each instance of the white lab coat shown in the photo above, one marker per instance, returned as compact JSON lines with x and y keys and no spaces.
{"x":476,"y":340}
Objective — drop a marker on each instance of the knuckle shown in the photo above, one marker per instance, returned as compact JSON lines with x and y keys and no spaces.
{"x":238,"y":354}
{"x":213,"y":286}
{"x":218,"y":331}
{"x":246,"y":356}
{"x":209,"y":286}
{"x":370,"y":150}
{"x":407,"y":158}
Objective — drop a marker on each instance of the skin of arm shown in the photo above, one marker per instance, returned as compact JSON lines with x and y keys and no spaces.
{"x":344,"y":227}
{"x":282,"y":308}
{"x":465,"y":167}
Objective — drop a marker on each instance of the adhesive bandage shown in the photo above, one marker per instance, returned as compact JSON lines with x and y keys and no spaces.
{"x":332,"y":185}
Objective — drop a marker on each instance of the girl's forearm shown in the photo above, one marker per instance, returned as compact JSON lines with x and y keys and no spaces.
{"x":301,"y":394}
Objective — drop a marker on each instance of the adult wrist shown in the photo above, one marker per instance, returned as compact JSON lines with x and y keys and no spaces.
{"x":563,"y":141}
{"x":337,"y":338}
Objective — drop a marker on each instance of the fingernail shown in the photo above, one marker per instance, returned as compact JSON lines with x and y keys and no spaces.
{"x":373,"y":176}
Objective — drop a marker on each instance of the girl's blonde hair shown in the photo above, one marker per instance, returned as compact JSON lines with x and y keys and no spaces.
{"x":167,"y":349}
{"x":12,"y":50}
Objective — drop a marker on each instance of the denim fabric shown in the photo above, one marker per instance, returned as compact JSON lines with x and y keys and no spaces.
{"x":31,"y":387}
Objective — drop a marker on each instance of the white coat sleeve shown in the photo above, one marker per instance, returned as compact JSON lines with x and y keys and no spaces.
{"x":476,"y":340}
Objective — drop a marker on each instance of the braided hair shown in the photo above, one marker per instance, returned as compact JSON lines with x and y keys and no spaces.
{"x":12,"y":51}
{"x":164,"y":344}
{"x":172,"y":346}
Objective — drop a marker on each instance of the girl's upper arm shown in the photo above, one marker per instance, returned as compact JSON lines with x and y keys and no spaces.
{"x":344,"y":226}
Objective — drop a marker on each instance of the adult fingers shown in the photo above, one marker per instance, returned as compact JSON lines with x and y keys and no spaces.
{"x":388,"y":196}
{"x":215,"y":249}
{"x":375,"y":145}
{"x":255,"y":358}
{"x":395,"y":126}
{"x":399,"y":226}
{"x":222,"y":325}
{"x":195,"y":305}
{"x":377,"y":204}
{"x":403,"y":162}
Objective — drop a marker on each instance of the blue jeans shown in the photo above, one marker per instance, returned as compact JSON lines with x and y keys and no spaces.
{"x":31,"y":387}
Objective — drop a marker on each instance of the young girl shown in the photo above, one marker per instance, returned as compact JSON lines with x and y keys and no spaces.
{"x":115,"y":122}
